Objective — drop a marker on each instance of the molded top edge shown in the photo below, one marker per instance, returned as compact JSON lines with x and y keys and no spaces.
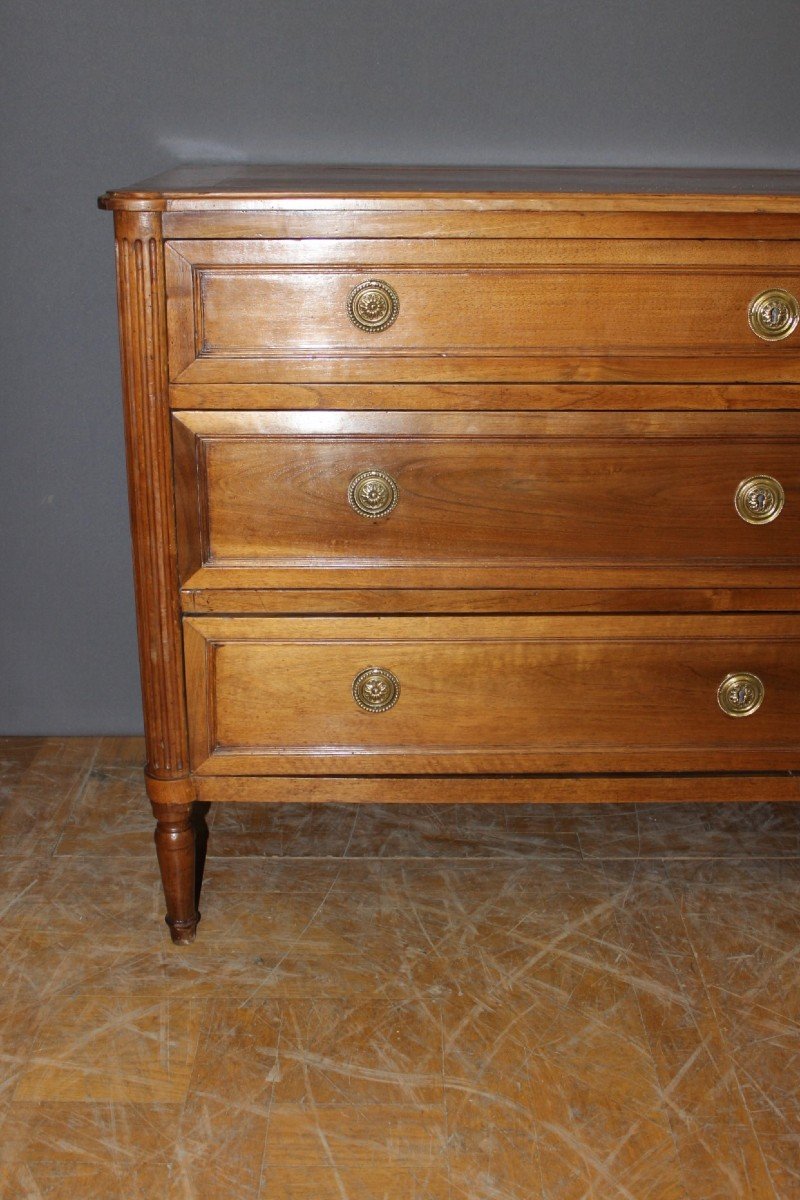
{"x":228,"y":185}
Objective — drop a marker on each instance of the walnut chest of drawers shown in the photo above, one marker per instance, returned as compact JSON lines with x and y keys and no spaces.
{"x":461,"y":485}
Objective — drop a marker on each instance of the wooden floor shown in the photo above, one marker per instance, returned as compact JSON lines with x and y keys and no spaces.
{"x":394,"y":1003}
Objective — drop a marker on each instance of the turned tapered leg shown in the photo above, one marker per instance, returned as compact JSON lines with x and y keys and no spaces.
{"x":175,"y":847}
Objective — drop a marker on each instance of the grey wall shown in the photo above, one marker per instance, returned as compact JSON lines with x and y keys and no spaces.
{"x":97,"y":94}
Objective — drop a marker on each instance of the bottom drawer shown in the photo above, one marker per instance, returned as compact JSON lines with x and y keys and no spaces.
{"x":356,"y":696}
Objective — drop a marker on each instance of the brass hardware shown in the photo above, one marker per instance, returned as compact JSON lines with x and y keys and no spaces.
{"x":373,"y":306}
{"x":372,"y":493}
{"x":774,"y":314}
{"x":376,"y":689}
{"x":759,"y":499}
{"x":740,"y":694}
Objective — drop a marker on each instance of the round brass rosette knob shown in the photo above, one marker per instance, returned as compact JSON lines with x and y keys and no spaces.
{"x":773,"y":314}
{"x":740,"y":694}
{"x":376,"y":689}
{"x":759,"y":499}
{"x":372,"y":493}
{"x":373,"y":306}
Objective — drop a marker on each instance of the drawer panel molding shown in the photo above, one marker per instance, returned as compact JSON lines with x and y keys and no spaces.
{"x":279,"y":499}
{"x":237,"y":307}
{"x":493,"y":694}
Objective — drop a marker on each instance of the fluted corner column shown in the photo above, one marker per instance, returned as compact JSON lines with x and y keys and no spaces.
{"x":141,"y":298}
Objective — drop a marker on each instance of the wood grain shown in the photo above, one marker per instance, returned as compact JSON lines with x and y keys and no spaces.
{"x":513,"y":397}
{"x":489,"y":694}
{"x":175,"y":847}
{"x":366,"y":600}
{"x":763,"y":367}
{"x":514,"y":492}
{"x":239,"y":308}
{"x":277,"y":220}
{"x":617,"y":188}
{"x":628,"y":787}
{"x":143,"y":341}
{"x":568,"y":399}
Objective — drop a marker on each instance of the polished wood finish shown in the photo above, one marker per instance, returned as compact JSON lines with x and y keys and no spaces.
{"x":143,"y":338}
{"x":513,"y":497}
{"x":514,"y":397}
{"x":487,"y":790}
{"x":489,"y":694}
{"x":366,"y":600}
{"x":567,"y":401}
{"x":175,"y":847}
{"x":311,"y":369}
{"x":241,"y":311}
{"x":140,"y":278}
{"x":203,"y":185}
{"x":453,"y":218}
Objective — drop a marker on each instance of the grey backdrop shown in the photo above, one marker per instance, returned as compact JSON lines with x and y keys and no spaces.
{"x":98,"y":94}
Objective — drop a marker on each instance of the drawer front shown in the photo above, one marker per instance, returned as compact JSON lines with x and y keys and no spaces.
{"x":451,"y":500}
{"x":511,"y":694}
{"x":476,"y":309}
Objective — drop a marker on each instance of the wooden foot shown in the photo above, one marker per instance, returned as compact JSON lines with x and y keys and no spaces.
{"x":175,"y":846}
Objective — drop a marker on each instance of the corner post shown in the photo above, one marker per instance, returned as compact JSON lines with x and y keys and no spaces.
{"x":141,"y":299}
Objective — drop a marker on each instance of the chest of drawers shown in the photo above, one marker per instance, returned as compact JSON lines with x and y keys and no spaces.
{"x":469,"y":485}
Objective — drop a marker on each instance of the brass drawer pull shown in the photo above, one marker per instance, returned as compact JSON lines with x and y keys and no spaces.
{"x":372,"y":494}
{"x":759,"y":499}
{"x":740,"y":694}
{"x":376,"y":689}
{"x":373,"y":306}
{"x":773,"y":314}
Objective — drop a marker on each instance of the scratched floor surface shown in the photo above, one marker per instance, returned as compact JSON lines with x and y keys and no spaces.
{"x":509,"y":1003}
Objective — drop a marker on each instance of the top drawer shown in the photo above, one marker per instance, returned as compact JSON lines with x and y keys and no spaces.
{"x":481,"y":309}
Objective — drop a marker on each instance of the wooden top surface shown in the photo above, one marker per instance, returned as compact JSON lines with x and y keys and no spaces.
{"x":235,"y":185}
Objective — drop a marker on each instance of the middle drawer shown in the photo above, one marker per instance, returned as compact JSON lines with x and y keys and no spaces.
{"x":341,"y":499}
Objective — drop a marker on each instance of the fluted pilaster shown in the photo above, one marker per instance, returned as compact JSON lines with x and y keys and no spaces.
{"x":143,"y":337}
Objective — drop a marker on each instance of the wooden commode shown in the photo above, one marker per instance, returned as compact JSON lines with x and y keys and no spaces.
{"x":461,"y":485}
